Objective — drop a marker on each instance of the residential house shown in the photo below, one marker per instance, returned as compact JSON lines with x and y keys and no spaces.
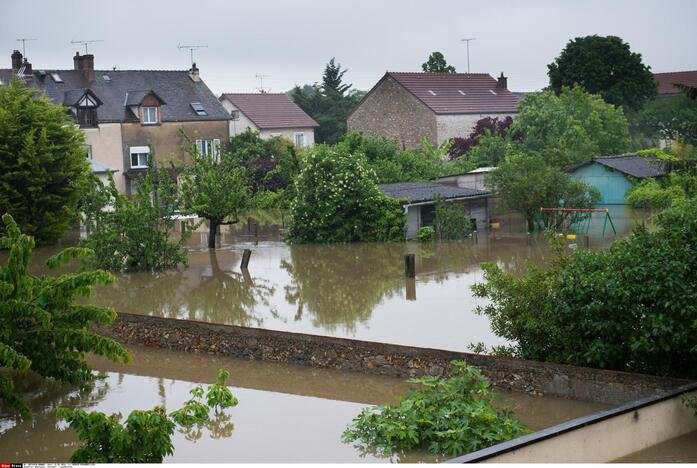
{"x":271,"y":115}
{"x":420,"y":202}
{"x":613,"y":176}
{"x":667,"y":81}
{"x":127,"y":114}
{"x":408,"y":107}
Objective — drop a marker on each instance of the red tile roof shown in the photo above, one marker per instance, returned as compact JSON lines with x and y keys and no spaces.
{"x":666,"y":81}
{"x":458,"y":93}
{"x":268,"y":110}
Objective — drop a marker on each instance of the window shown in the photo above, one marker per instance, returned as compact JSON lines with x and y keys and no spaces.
{"x":56,"y":77}
{"x":139,"y":157}
{"x":87,"y":116}
{"x":428,"y":215}
{"x":235,"y":115}
{"x":198,"y":108}
{"x":300,"y":140}
{"x":209,"y":148}
{"x":149,"y":115}
{"x":462,"y":92}
{"x":89,"y":151}
{"x":432,"y":92}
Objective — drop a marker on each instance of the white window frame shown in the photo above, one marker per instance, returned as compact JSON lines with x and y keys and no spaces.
{"x":302,"y":142}
{"x":145,"y":111}
{"x":209,"y":148}
{"x":140,"y":151}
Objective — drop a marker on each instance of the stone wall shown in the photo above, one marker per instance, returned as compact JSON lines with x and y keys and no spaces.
{"x":532,"y":377}
{"x":460,"y":125}
{"x":392,"y":112}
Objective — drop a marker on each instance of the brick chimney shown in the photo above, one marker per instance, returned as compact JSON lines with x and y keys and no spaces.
{"x":85,"y":63}
{"x":193,"y":73}
{"x":27,"y":67}
{"x":16,"y":60}
{"x":503,"y":81}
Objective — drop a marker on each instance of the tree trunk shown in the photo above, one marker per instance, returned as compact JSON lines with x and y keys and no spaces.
{"x":212,"y":232}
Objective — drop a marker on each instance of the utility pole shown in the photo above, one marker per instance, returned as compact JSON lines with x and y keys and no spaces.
{"x":467,"y":40}
{"x":24,"y":43}
{"x":261,"y":88}
{"x":191,"y":50}
{"x":86,"y":42}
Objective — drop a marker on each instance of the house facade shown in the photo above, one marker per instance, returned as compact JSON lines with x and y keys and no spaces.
{"x":131,"y":116}
{"x":408,"y":107}
{"x":272,"y":115}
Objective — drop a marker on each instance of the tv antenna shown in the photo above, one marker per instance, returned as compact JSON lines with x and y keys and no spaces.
{"x":261,"y":88}
{"x":24,"y":43}
{"x":191,"y":50}
{"x":467,"y":40}
{"x":85,"y":43}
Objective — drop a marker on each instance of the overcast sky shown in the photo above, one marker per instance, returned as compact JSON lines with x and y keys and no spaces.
{"x":292,"y":40}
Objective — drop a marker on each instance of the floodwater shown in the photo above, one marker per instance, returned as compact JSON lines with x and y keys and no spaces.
{"x":682,"y":449}
{"x":286,"y":413}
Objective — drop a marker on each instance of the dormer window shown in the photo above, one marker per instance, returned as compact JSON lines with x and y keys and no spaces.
{"x":149,"y":115}
{"x":87,"y":116}
{"x":83,"y":104}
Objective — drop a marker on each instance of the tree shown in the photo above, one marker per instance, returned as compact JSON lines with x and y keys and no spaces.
{"x":486,"y":126}
{"x":526,"y":183}
{"x":670,"y":119}
{"x":42,"y":329}
{"x":570,"y":128}
{"x":605,"y":66}
{"x":338,"y":200}
{"x":436,"y":64}
{"x":43,"y":163}
{"x":131,"y":233}
{"x":215,"y":188}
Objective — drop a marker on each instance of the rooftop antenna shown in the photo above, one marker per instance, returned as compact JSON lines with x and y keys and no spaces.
{"x":24,"y":40}
{"x":467,"y":40}
{"x":261,"y":88}
{"x":86,"y":42}
{"x":191,"y":50}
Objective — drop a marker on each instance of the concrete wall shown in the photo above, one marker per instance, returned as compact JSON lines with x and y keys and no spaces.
{"x":460,"y":125}
{"x":613,"y":185}
{"x":107,"y":149}
{"x":531,"y":377}
{"x":392,"y":112}
{"x":413,"y":223}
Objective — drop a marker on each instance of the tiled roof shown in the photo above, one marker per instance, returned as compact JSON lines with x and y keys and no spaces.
{"x":635,"y":166}
{"x":458,"y":93}
{"x":417,"y":192}
{"x":268,"y":110}
{"x":174,"y":87}
{"x":666,"y":81}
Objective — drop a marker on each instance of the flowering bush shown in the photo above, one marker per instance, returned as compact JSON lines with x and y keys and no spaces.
{"x":337,"y":200}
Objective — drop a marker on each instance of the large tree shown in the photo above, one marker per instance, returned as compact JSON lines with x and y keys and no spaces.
{"x":436,"y":64}
{"x":43,"y":163}
{"x":605,"y":66}
{"x":674,"y":118}
{"x":571,"y":127}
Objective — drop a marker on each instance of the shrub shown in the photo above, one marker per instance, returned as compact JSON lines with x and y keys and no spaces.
{"x":425,"y":234}
{"x":449,"y":416}
{"x":451,"y":223}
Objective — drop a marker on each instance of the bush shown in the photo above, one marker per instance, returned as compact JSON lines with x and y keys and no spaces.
{"x":632,"y":307}
{"x":338,"y":201}
{"x":446,"y":416}
{"x":451,"y":222}
{"x":425,"y":234}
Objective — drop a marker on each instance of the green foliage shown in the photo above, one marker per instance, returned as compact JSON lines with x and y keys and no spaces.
{"x":490,"y":151}
{"x":451,"y":223}
{"x":605,"y":66}
{"x":214,"y":188}
{"x":131,"y":233}
{"x":664,"y":192}
{"x":338,"y":201}
{"x":632,"y":307}
{"x":449,"y":416}
{"x":570,"y":128}
{"x":41,"y":328}
{"x":43,"y":163}
{"x":146,"y":435}
{"x":669,"y":119}
{"x":436,"y":64}
{"x":691,"y":403}
{"x":425,"y":234}
{"x":527,"y":183}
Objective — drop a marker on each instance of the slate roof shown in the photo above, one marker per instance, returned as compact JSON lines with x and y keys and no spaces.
{"x":458,"y":93}
{"x":174,"y":87}
{"x":666,"y":81}
{"x":417,"y":192}
{"x":269,"y":110}
{"x":632,"y":165}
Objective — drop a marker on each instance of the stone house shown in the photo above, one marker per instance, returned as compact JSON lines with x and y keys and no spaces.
{"x":408,"y":107}
{"x":419,"y":202}
{"x":271,"y":115}
{"x":127,"y":114}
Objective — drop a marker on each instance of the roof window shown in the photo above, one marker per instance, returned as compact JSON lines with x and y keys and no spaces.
{"x":492,"y":92}
{"x":198,"y":108}
{"x":432,"y":93}
{"x":56,"y":77}
{"x":106,"y":77}
{"x":462,"y":92}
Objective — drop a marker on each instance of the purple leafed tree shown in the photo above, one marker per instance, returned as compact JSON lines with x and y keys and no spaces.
{"x":498,"y":127}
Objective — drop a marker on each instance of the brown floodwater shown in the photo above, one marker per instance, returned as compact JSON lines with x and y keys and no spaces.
{"x":286,"y":413}
{"x":682,"y":449}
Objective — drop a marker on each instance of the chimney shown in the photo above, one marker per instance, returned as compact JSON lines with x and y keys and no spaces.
{"x":503,"y":81}
{"x":27,"y":67}
{"x":193,"y":73}
{"x":85,"y":63}
{"x":16,"y":60}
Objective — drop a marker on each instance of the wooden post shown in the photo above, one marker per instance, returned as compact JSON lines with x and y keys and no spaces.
{"x":410,"y":265}
{"x":256,"y":229}
{"x":249,"y":225}
{"x":245,"y":258}
{"x":475,"y":236}
{"x":587,"y":241}
{"x":411,"y":289}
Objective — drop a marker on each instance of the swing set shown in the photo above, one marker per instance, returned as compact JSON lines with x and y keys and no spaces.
{"x":572,"y":220}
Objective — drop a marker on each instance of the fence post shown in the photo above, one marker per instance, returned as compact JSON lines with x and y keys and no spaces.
{"x":410,"y":265}
{"x":245,"y":258}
